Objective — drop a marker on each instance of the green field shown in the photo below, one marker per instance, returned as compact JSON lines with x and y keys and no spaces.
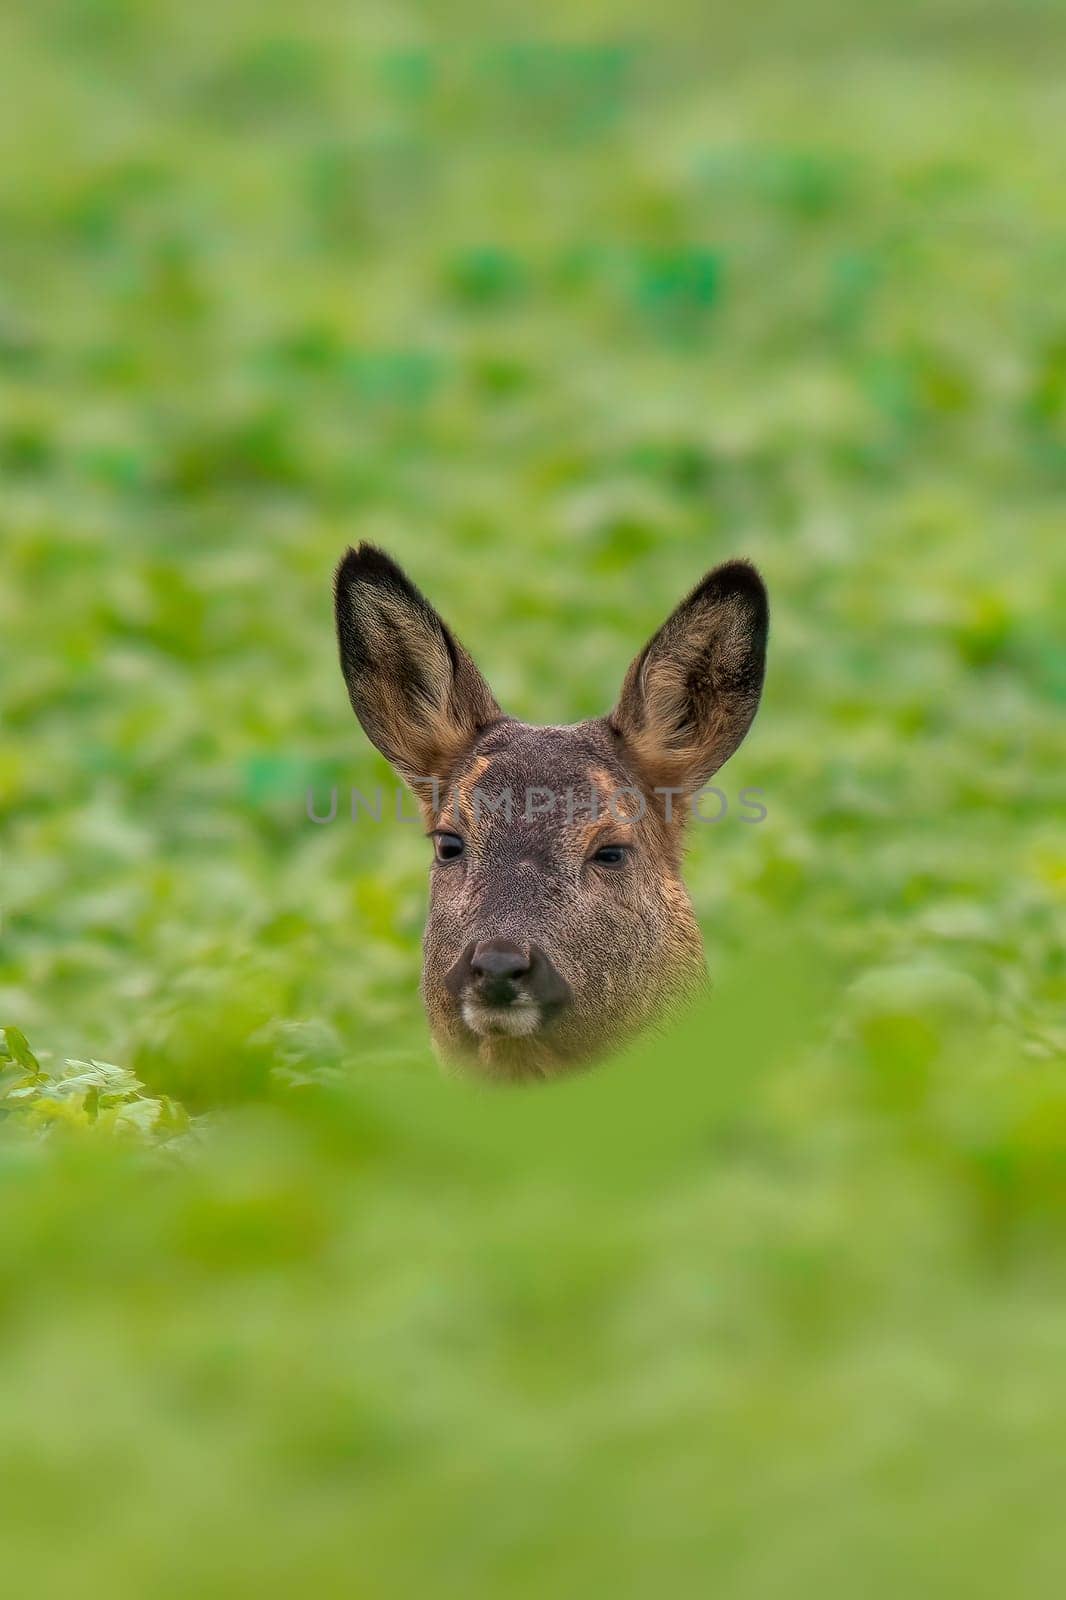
{"x":561,"y":312}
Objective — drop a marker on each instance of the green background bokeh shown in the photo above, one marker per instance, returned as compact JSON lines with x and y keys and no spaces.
{"x":561,"y":312}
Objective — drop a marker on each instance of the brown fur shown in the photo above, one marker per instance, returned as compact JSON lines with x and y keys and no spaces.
{"x":624,"y":938}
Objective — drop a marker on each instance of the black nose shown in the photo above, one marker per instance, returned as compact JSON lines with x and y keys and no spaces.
{"x":494,"y":968}
{"x":499,"y":960}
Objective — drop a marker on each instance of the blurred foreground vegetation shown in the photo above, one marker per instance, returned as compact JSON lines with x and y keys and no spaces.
{"x":776,"y":1304}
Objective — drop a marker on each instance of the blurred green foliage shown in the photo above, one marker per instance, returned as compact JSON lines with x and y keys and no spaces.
{"x":563,"y":315}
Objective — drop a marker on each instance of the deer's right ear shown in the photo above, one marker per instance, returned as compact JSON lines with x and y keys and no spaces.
{"x":417,"y":693}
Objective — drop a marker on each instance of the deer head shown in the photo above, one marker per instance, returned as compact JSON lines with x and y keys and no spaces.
{"x":558,"y":922}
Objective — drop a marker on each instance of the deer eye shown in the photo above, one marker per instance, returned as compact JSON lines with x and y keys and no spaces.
{"x":448,"y":846}
{"x":610,"y":855}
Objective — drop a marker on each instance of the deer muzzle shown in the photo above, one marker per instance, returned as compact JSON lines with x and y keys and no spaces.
{"x":504,"y":987}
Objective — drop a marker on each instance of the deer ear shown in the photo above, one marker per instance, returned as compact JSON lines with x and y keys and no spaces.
{"x":690,"y":696}
{"x":417,"y":693}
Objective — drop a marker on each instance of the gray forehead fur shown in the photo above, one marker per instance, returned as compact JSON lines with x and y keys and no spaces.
{"x":551,"y":754}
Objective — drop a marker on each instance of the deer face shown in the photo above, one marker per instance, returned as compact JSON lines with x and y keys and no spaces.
{"x":558,"y":922}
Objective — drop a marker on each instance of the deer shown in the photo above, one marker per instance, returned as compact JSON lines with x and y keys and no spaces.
{"x":559,"y":927}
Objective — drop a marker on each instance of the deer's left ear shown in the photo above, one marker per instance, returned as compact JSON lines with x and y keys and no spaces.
{"x":690,"y":696}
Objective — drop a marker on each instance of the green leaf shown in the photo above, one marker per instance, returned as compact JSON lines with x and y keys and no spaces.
{"x":115,"y":1083}
{"x":19,"y":1050}
{"x":142,"y":1115}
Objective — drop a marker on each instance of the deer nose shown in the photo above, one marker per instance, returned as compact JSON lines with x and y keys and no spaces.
{"x":499,"y":960}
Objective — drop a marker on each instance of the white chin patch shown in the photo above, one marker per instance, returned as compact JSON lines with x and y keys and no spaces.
{"x":516,"y":1021}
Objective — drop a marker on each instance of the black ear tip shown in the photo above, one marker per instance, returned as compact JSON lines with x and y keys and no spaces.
{"x":739,"y":581}
{"x":366,"y":564}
